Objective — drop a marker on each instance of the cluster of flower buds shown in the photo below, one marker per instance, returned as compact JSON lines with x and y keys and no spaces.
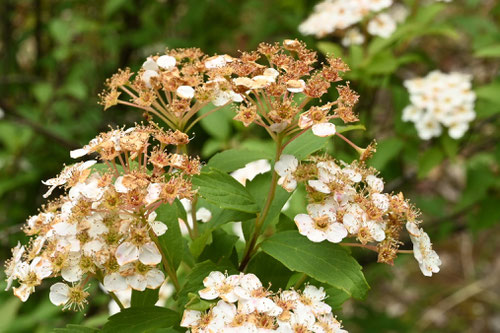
{"x":105,"y":225}
{"x":337,"y":16}
{"x":175,"y":86}
{"x":244,"y":305}
{"x":440,"y":99}
{"x":346,"y":200}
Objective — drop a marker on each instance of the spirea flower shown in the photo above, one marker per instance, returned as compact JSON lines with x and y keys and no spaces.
{"x":270,"y":87}
{"x":440,"y":100}
{"x":347,"y":200}
{"x":105,"y":226}
{"x":252,"y":308}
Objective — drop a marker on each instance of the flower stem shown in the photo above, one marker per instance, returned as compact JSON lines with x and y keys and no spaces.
{"x":300,"y":281}
{"x":166,"y":265}
{"x":371,"y":247}
{"x":261,"y":217}
{"x":116,"y":299}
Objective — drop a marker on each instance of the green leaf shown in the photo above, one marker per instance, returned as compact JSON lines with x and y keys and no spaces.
{"x":221,"y":247}
{"x":326,"y":262}
{"x":386,"y":150}
{"x":269,"y":270}
{"x":305,"y":145}
{"x":428,"y":160}
{"x":8,"y":311}
{"x":171,"y":241}
{"x":196,"y":303}
{"x":43,"y":92}
{"x":490,"y":51}
{"x":71,"y":328}
{"x":232,"y":159}
{"x":194,"y":280}
{"x":259,"y":188}
{"x":342,"y":129}
{"x":221,"y":189}
{"x":147,"y":297}
{"x":141,"y":319}
{"x":489,"y":92}
{"x":217,"y":124}
{"x":336,"y":297}
{"x":329,"y":48}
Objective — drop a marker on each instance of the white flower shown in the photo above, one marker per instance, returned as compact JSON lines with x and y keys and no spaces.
{"x":185,"y":92}
{"x":353,"y":37}
{"x":190,"y":318}
{"x":36,"y":271}
{"x":412,"y":113}
{"x":222,"y":97}
{"x":12,"y":266}
{"x":376,"y":184}
{"x":150,"y":64}
{"x":285,"y":168}
{"x":71,"y":270}
{"x":327,"y":324}
{"x":323,"y":129}
{"x":219,"y":285}
{"x":147,"y":76}
{"x":301,"y":320}
{"x":253,"y":297}
{"x":321,"y":223}
{"x":295,"y":86}
{"x":377,"y":5}
{"x":66,"y":175}
{"x":166,"y":62}
{"x":203,"y":215}
{"x":428,"y":127}
{"x":312,"y":298}
{"x":59,"y":293}
{"x":159,"y":228}
{"x":218,"y":61}
{"x":153,"y":192}
{"x":355,"y":218}
{"x":251,"y":170}
{"x":147,"y":253}
{"x":152,"y":279}
{"x":428,"y":260}
{"x":382,"y":25}
{"x":381,"y":201}
{"x":115,"y":282}
{"x":438,"y":100}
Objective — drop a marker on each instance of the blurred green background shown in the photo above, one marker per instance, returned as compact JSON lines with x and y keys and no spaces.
{"x":56,"y":55}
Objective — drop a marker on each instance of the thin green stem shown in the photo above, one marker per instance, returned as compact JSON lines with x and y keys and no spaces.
{"x":370,"y":247}
{"x":204,"y":115}
{"x":193,"y":216}
{"x":259,"y":221}
{"x":300,"y":281}
{"x":166,"y":265}
{"x":116,"y":299}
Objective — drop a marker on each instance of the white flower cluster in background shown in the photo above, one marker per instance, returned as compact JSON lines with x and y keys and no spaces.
{"x":331,"y":16}
{"x":440,"y":100}
{"x":244,"y":305}
{"x":347,"y":200}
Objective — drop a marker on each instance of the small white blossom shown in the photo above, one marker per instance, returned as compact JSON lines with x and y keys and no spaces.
{"x":285,"y":168}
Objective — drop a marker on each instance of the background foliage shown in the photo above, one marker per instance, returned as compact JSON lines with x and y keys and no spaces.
{"x":55,"y":56}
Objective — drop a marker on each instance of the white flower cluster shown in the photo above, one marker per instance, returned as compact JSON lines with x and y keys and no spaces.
{"x":440,"y":99}
{"x":347,"y":200}
{"x":330,"y":16}
{"x":244,"y":305}
{"x":105,"y":226}
{"x":427,"y":258}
